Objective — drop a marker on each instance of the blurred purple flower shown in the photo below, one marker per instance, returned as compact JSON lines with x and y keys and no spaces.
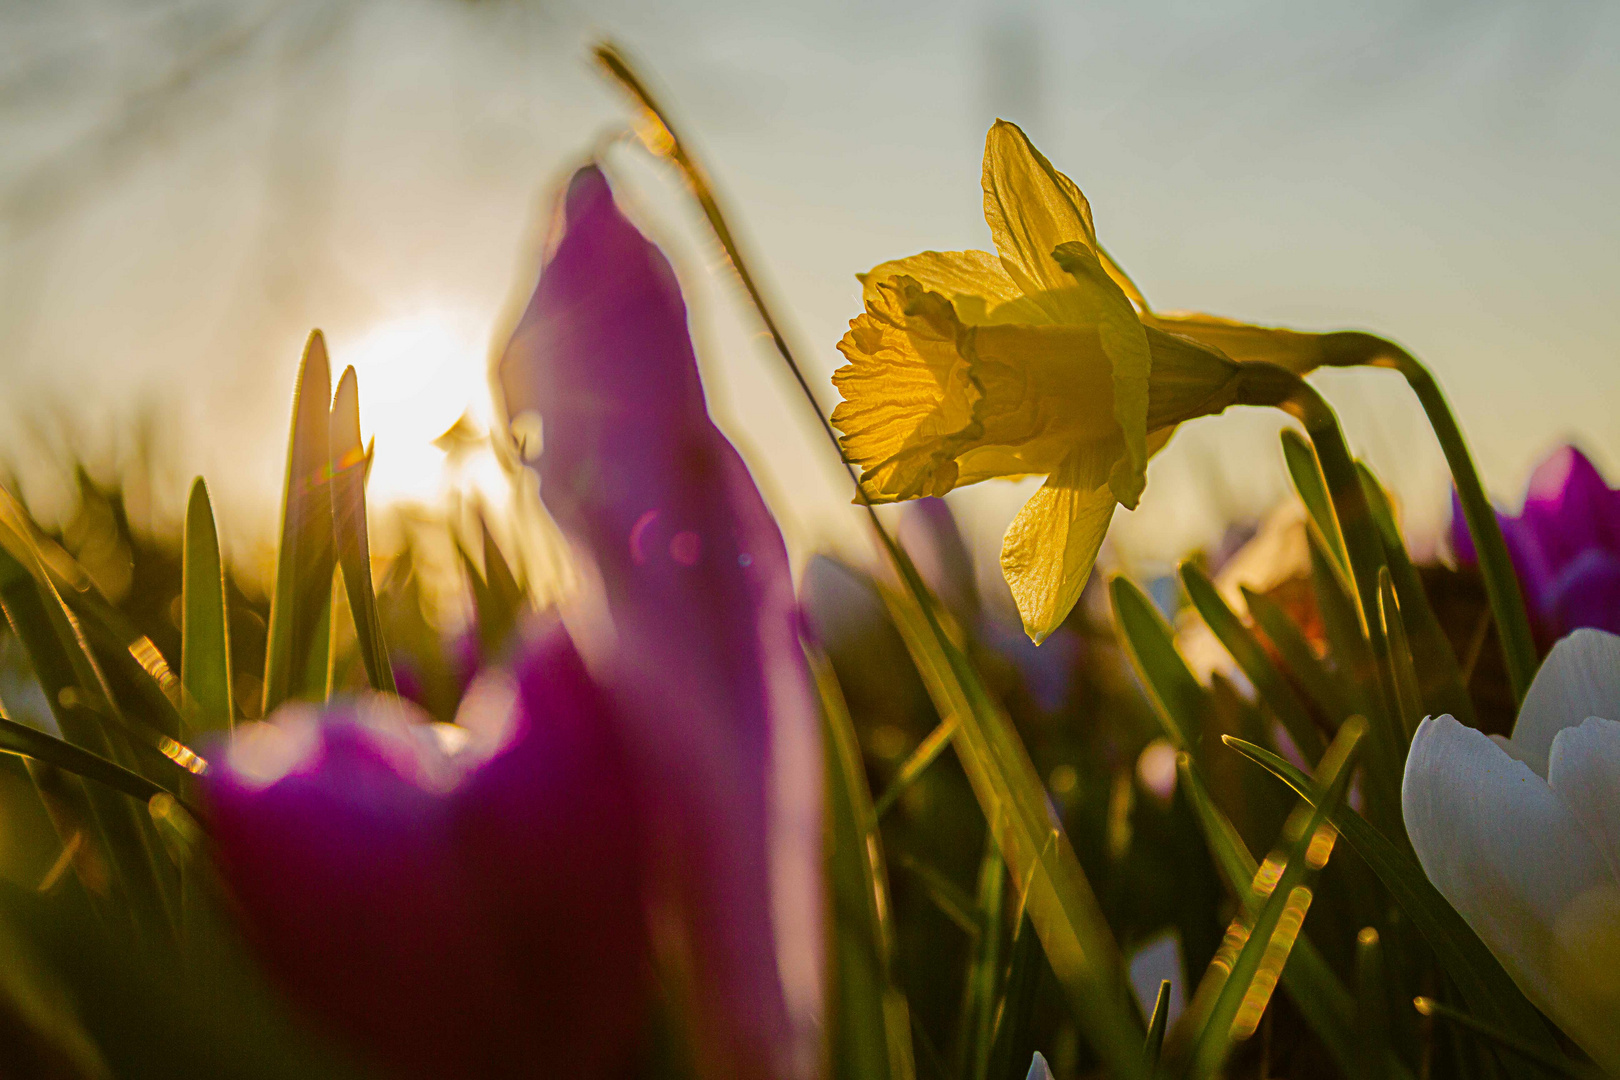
{"x":929,"y":533}
{"x":455,"y":915}
{"x":1565,"y":546}
{"x":486,"y":913}
{"x":701,"y":655}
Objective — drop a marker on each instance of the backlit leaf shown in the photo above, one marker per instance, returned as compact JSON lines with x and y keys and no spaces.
{"x":869,"y":1022}
{"x":348,"y":468}
{"x":1490,"y":992}
{"x":295,"y":660}
{"x":205,"y":644}
{"x":1051,"y":885}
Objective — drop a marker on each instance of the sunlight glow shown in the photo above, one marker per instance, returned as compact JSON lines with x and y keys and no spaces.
{"x":419,"y":374}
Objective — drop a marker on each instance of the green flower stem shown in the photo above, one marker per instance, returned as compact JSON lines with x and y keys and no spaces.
{"x":1495,"y":567}
{"x":1267,"y":384}
{"x":1355,"y":349}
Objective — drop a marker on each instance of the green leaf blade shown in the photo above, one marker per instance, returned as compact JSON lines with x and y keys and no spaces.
{"x":1272,"y":930}
{"x":1479,"y":976}
{"x":300,"y":606}
{"x":1052,"y":886}
{"x":869,"y":1021}
{"x":205,"y":646}
{"x":348,"y":471}
{"x":1440,"y":676}
{"x":1255,"y":663}
{"x":1178,"y":699}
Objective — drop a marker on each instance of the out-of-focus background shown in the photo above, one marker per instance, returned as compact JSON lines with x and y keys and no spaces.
{"x":188,"y":186}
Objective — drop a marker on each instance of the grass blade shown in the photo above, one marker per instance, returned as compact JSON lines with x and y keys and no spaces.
{"x":984,"y":971}
{"x":1372,"y":1007}
{"x":1310,"y":982}
{"x":1488,"y":989}
{"x":205,"y":643}
{"x":25,"y":741}
{"x":1259,"y":943}
{"x":1558,"y":1065}
{"x":78,"y":701}
{"x":1017,"y":1004}
{"x":1402,"y":673}
{"x":1327,"y":690}
{"x":927,"y":752}
{"x":300,"y":606}
{"x":1052,"y":887}
{"x":348,"y":470}
{"x":1368,"y":681}
{"x":1180,"y":702}
{"x":498,"y":597}
{"x":869,"y":1020}
{"x":1154,"y":1046}
{"x":1306,"y":473}
{"x":1252,"y":658}
{"x":953,"y":901}
{"x":1443,"y":690}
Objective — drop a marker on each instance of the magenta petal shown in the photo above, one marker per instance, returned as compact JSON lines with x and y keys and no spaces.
{"x":1563,"y":505}
{"x":453,"y":920}
{"x":704,"y":660}
{"x":1565,"y":544}
{"x":1587,"y":592}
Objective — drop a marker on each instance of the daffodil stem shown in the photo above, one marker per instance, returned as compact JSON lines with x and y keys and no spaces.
{"x":1495,"y":567}
{"x":1270,"y":385}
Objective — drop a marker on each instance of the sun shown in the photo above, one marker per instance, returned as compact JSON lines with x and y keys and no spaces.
{"x":418,"y":374}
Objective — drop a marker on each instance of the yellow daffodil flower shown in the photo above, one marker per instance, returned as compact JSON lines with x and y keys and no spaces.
{"x":1041,"y":359}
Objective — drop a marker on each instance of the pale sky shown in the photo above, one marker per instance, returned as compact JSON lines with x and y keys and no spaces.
{"x":186,"y":188}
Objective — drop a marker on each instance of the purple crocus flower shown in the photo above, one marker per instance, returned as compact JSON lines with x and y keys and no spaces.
{"x":1565,"y":546}
{"x":453,"y":915}
{"x":493,"y":912}
{"x":700,"y":645}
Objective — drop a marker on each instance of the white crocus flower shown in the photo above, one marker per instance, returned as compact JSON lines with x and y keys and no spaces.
{"x":1522,"y":836}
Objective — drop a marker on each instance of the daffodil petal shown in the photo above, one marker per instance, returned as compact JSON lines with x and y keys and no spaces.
{"x":1583,"y":769}
{"x":1505,"y":850}
{"x":1125,"y":341}
{"x":1051,"y":545}
{"x":1579,"y":678}
{"x":1031,"y":208}
{"x":1041,"y":224}
{"x":973,"y":281}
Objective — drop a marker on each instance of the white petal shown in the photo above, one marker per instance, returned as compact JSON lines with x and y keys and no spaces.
{"x":1580,"y":678}
{"x":1038,"y":1069}
{"x":1584,"y":771}
{"x":1503,"y":849}
{"x":1588,"y":965}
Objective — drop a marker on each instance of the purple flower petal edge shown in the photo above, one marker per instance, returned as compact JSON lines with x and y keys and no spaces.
{"x":703,"y":657}
{"x":1564,"y":544}
{"x":450,"y":917}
